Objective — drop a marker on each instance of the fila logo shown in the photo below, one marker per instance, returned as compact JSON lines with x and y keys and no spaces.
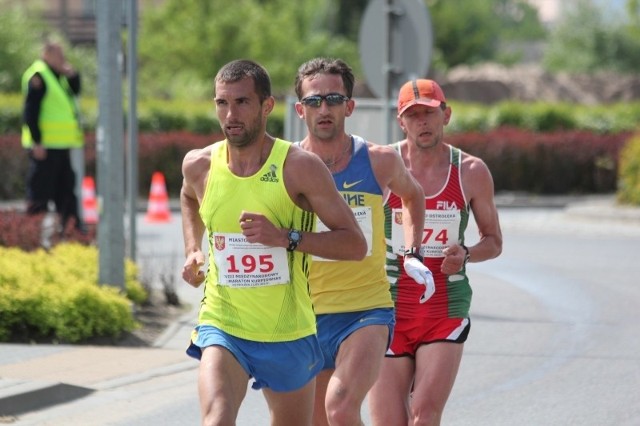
{"x":270,"y":176}
{"x":446,"y":205}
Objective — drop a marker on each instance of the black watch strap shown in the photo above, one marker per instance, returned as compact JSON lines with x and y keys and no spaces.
{"x":295,"y":237}
{"x":467,"y":255}
{"x":414,"y":252}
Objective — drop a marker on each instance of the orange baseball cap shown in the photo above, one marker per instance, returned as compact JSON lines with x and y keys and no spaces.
{"x":421,"y":91}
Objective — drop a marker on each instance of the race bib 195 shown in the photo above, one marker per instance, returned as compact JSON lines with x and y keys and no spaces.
{"x":244,"y":264}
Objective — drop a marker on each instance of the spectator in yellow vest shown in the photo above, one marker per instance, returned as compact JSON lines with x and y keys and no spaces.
{"x":51,"y":128}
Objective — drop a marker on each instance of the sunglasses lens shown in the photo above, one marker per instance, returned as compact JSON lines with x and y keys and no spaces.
{"x":316,"y":100}
{"x":312,"y":101}
{"x":333,"y":100}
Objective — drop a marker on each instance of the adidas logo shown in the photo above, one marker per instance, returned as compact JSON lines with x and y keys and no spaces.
{"x":270,"y":176}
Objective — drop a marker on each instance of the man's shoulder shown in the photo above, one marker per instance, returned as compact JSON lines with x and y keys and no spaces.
{"x":384,"y":154}
{"x":300,"y":157}
{"x":200,"y":154}
{"x":474,"y":169}
{"x":36,"y":82}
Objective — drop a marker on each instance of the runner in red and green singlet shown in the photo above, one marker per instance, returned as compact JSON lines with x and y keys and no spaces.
{"x":422,"y":362}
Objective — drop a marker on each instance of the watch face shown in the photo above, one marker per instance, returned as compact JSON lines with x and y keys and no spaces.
{"x":294,"y":239}
{"x":294,"y":236}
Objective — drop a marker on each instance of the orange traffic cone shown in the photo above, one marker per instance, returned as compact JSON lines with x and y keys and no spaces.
{"x":158,"y":207}
{"x":89,"y":202}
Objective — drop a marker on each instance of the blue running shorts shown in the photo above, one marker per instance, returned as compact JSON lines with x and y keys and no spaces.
{"x":334,"y":328}
{"x":279,"y":366}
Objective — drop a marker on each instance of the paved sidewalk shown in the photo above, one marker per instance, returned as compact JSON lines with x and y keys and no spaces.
{"x":36,"y":376}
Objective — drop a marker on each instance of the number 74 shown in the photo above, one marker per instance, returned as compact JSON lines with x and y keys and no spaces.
{"x":441,"y":236}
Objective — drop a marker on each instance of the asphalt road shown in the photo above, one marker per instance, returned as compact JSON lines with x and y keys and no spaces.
{"x":554,"y":337}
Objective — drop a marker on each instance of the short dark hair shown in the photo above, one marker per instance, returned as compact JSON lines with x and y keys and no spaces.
{"x":235,"y":71}
{"x":325,"y":66}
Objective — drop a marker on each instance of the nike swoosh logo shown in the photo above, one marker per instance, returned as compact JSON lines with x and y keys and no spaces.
{"x":346,"y":185}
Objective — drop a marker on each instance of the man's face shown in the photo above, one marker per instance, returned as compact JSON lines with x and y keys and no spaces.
{"x":54,"y":57}
{"x":324,"y":121}
{"x":241,"y":114}
{"x":424,"y":125}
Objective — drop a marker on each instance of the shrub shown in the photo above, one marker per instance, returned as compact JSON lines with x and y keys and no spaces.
{"x":511,"y":114}
{"x":162,"y":152}
{"x":13,"y":172}
{"x":560,"y":162}
{"x":27,"y":232}
{"x":21,"y":231}
{"x":55,"y":295}
{"x":198,"y":116}
{"x":10,"y":114}
{"x":571,"y":161}
{"x":629,"y":172}
{"x":550,"y":118}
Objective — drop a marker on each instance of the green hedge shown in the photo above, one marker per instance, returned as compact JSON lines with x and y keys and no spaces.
{"x":153,"y":116}
{"x":54,"y":295}
{"x":539,"y":148}
{"x":199,"y":116}
{"x":545,"y":117}
{"x":629,"y":183}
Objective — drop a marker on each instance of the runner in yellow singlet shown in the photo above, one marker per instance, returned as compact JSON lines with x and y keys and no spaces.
{"x":256,"y":198}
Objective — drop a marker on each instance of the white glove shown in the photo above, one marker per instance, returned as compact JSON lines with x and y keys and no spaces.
{"x":422,"y":275}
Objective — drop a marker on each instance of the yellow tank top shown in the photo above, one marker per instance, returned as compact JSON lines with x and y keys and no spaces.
{"x":348,"y":286}
{"x":253,"y":291}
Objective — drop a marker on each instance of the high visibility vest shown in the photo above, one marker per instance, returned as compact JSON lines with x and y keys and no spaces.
{"x":58,"y":119}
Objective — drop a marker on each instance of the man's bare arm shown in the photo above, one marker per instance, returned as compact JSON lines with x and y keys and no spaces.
{"x":310,"y":183}
{"x":405,"y":186}
{"x":393,"y":176}
{"x":479,"y":187}
{"x":192,"y":226}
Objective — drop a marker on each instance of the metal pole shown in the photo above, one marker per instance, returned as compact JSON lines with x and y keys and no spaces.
{"x":109,"y":146}
{"x":64,"y":20}
{"x":394,"y":69}
{"x":132,"y":129}
{"x":387,"y":73}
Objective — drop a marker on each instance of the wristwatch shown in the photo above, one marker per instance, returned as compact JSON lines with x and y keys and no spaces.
{"x":295,"y":237}
{"x":415,"y":252}
{"x":466,"y":256}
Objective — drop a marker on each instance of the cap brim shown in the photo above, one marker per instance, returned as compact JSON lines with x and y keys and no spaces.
{"x":427,"y":102}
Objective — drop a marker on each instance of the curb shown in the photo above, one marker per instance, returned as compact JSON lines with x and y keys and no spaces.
{"x":21,"y":396}
{"x":171,"y":331}
{"x":145,"y":375}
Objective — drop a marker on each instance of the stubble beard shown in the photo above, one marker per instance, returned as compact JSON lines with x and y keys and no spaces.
{"x":435,"y":141}
{"x":248,"y":136}
{"x":326,"y":134}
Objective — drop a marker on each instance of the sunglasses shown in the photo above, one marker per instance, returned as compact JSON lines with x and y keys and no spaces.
{"x":332,"y":99}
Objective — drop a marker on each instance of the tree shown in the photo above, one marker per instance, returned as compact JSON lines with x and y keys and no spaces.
{"x":468,"y":32}
{"x":22,"y":34}
{"x":184,"y":42}
{"x":584,"y":42}
{"x":347,"y":17}
{"x":20,"y":39}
